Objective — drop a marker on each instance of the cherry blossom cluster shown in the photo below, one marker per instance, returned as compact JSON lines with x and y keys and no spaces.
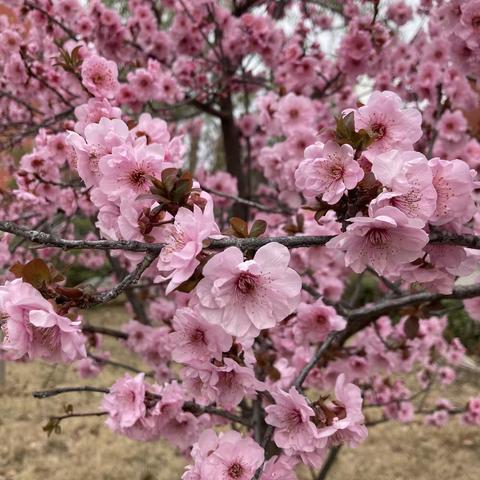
{"x":282,"y":194}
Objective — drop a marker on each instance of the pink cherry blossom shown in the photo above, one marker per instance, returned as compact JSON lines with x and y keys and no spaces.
{"x":328,"y":172}
{"x":410,"y":182}
{"x":99,"y":76}
{"x":125,"y":403}
{"x":292,"y":418}
{"x":235,"y":458}
{"x":472,"y":306}
{"x":245,"y":297}
{"x":33,"y":330}
{"x":127,"y":169}
{"x":234,"y":382}
{"x":315,"y":321}
{"x":184,"y":241}
{"x":100,"y":139}
{"x":452,"y":125}
{"x":343,"y":421}
{"x":453,"y":181}
{"x":391,"y":125}
{"x":279,"y":468}
{"x":384,"y":240}
{"x":295,"y":112}
{"x":196,"y":340}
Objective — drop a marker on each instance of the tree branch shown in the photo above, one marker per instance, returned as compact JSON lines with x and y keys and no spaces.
{"x":59,"y":391}
{"x":128,"y":280}
{"x":104,"y":331}
{"x":191,"y":407}
{"x":299,"y":241}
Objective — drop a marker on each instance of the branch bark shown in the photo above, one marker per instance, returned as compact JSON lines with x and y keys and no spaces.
{"x":299,"y":241}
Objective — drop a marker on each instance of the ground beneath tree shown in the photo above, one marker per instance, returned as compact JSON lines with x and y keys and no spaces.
{"x":86,"y":449}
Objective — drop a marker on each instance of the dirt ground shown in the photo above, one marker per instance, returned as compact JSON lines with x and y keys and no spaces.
{"x":87,"y":450}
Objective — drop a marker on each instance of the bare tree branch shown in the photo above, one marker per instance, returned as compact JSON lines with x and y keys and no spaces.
{"x":299,"y":241}
{"x":128,"y":280}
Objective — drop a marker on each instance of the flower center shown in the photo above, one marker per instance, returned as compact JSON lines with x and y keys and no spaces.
{"x":379,"y":130}
{"x":294,"y":114}
{"x":377,"y":236}
{"x":37,"y":162}
{"x":48,"y":337}
{"x":97,"y":79}
{"x":138,"y":177}
{"x":197,"y":336}
{"x":337,"y":171}
{"x":476,"y":22}
{"x":294,"y":417}
{"x":235,"y":470}
{"x":246,"y":282}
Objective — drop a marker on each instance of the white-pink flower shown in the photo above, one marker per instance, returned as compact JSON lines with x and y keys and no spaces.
{"x":315,"y":321}
{"x":235,"y":458}
{"x":245,"y":297}
{"x":100,"y":139}
{"x":125,"y":403}
{"x":328,"y":171}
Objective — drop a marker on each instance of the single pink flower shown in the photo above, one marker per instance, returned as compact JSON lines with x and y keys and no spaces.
{"x":245,"y":297}
{"x":234,"y":382}
{"x":279,"y":468}
{"x":315,"y":321}
{"x":409,"y":179}
{"x":97,"y":141}
{"x":328,"y":172}
{"x":295,"y":112}
{"x":454,"y":182}
{"x":385,"y":240}
{"x":194,"y":339}
{"x":235,"y":458}
{"x":292,"y":418}
{"x":392,"y":126}
{"x":452,"y":125}
{"x":343,"y":420}
{"x":472,"y":307}
{"x":99,"y":76}
{"x":184,"y":241}
{"x":32,"y":328}
{"x":125,"y":403}
{"x":127,"y":169}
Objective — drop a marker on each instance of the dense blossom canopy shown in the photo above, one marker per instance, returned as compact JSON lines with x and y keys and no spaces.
{"x":283,"y":193}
